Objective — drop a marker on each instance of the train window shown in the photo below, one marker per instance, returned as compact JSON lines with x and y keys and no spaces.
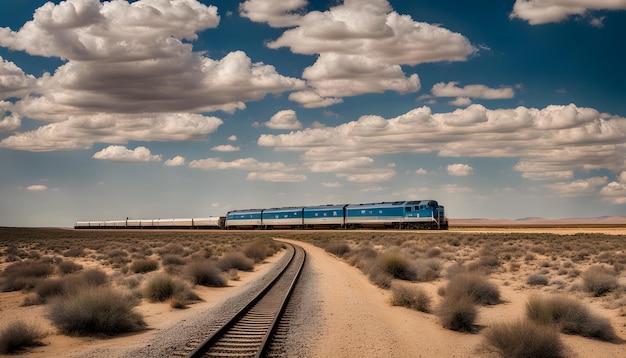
{"x":325,"y":214}
{"x":362,"y":211}
{"x":407,"y":209}
{"x":317,"y":214}
{"x":334,"y":213}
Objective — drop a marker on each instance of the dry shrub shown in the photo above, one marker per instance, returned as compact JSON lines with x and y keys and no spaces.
{"x":396,"y":266}
{"x":144,"y":265}
{"x":19,"y":335}
{"x":411,"y":297}
{"x":95,"y":311}
{"x":237,"y":260}
{"x":66,"y":267}
{"x":475,"y":286}
{"x":164,"y":287}
{"x":337,"y":248}
{"x":458,"y":313}
{"x":537,"y":279}
{"x":380,"y":278}
{"x":69,"y":284}
{"x":570,"y":316}
{"x":599,"y":279}
{"x":428,"y":269}
{"x":205,"y":273}
{"x":524,"y":339}
{"x":75,"y":251}
{"x":261,"y":248}
{"x":433,"y":252}
{"x":24,"y":274}
{"x":173,"y":259}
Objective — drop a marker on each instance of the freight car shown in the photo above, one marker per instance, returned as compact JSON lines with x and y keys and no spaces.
{"x":419,"y":214}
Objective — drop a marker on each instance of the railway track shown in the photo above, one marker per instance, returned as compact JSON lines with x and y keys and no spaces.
{"x":250,"y":332}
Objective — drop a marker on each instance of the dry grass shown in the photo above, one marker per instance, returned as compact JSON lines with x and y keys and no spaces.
{"x":19,"y":335}
{"x":524,"y":339}
{"x":410,"y":297}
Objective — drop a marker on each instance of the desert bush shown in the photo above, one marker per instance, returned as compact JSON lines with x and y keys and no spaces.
{"x":396,"y":266}
{"x":235,"y":259}
{"x":380,"y":278}
{"x":411,"y":297}
{"x":66,"y":267}
{"x":18,"y":335}
{"x":337,"y":248}
{"x":458,"y":313}
{"x":173,"y":259}
{"x":261,"y":248}
{"x":205,"y":273}
{"x":570,"y":316}
{"x":93,"y":277}
{"x":75,"y":251}
{"x":475,"y":286}
{"x":144,"y":265}
{"x":24,"y":274}
{"x":164,"y":287}
{"x":433,"y":252}
{"x":95,"y":311}
{"x":599,"y":279}
{"x":428,"y":269}
{"x":537,"y":279}
{"x":524,"y":339}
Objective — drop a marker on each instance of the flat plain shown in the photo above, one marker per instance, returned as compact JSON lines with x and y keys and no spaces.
{"x":353,"y":300}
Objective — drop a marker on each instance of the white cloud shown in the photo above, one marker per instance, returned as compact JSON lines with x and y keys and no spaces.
{"x":285,"y":119}
{"x":460,"y":102}
{"x":577,"y":187}
{"x":455,"y":189}
{"x":553,"y":143}
{"x":276,"y":177}
{"x":460,"y":170}
{"x":13,"y":81}
{"x":126,"y":61}
{"x":8,"y":122}
{"x":370,"y":176}
{"x":361,"y":46}
{"x":334,"y":184}
{"x":37,"y":188}
{"x":81,"y":132}
{"x":232,"y":138}
{"x":226,"y":148}
{"x":118,"y":153}
{"x":451,"y":89}
{"x":177,"y":161}
{"x":275,"y":13}
{"x":545,"y":11}
{"x":421,"y":171}
{"x":615,"y":191}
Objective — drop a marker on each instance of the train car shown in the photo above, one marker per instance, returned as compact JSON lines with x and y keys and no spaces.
{"x":324,"y":216}
{"x":133,"y":224}
{"x":214,"y":222}
{"x":424,"y":214}
{"x":282,"y":218}
{"x":244,"y":219}
{"x":378,"y":215}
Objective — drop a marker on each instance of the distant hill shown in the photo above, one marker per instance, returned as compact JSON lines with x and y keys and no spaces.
{"x":600,"y":220}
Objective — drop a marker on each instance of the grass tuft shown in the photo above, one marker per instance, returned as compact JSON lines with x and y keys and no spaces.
{"x":458,"y":313}
{"x":206,"y":273}
{"x":96,"y":311}
{"x":19,"y":335}
{"x":411,"y":297}
{"x":599,"y":280}
{"x":237,"y":260}
{"x":523,"y":338}
{"x":144,"y":265}
{"x":475,"y":286}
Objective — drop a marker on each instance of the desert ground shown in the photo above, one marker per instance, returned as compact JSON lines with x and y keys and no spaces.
{"x":345,"y":299}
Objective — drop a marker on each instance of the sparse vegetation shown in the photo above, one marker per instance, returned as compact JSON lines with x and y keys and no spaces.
{"x":19,"y":335}
{"x":524,"y":339}
{"x":164,"y":287}
{"x":570,"y":316}
{"x":205,"y":273}
{"x":410,"y":297}
{"x":458,"y":313}
{"x":144,"y":265}
{"x":101,"y":310}
{"x":235,"y":260}
{"x":599,"y":280}
{"x":475,"y":286}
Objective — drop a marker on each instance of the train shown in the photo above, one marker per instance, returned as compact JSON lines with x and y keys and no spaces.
{"x":414,"y":214}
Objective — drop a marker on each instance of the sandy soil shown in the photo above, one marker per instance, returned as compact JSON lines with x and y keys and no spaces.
{"x":341,"y":314}
{"x":358,"y":321}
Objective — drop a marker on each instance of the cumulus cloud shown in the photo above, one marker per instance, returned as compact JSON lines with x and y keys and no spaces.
{"x":226,"y":148}
{"x":13,"y":81}
{"x":257,"y":171}
{"x":615,"y":191}
{"x":460,"y":170}
{"x":82,"y":131}
{"x":463,"y":94}
{"x":361,"y":46}
{"x":554,"y":143}
{"x":577,"y":187}
{"x":8,"y":121}
{"x":123,"y":59}
{"x":285,"y":119}
{"x":421,"y":171}
{"x":118,"y":153}
{"x":545,"y":11}
{"x":177,"y":161}
{"x":334,"y":184}
{"x":37,"y":188}
{"x":232,"y":138}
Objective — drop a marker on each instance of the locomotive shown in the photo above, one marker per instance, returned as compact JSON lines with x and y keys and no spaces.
{"x":416,"y":214}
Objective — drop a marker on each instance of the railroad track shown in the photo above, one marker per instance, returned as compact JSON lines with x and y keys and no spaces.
{"x":250,"y":332}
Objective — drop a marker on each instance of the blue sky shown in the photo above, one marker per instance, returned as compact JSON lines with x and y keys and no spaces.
{"x":191,"y":108}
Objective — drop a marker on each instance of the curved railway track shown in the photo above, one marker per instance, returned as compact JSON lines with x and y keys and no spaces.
{"x":250,"y":332}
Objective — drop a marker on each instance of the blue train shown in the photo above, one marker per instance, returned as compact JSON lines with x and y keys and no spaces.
{"x":418,"y":214}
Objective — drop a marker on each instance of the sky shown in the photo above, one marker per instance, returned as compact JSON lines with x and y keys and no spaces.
{"x":191,"y":108}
